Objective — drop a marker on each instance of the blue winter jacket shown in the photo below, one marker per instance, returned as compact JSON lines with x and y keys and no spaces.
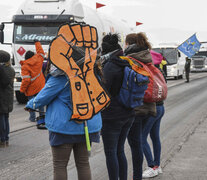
{"x":56,"y":96}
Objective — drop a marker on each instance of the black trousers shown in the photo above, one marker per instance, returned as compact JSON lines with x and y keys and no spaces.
{"x":187,"y":75}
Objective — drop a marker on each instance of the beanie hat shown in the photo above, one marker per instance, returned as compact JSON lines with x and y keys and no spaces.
{"x":110,"y":43}
{"x":29,"y":54}
{"x":4,"y":56}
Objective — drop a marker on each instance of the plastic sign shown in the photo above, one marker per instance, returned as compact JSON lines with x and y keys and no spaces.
{"x":74,"y":51}
{"x":21,"y":51}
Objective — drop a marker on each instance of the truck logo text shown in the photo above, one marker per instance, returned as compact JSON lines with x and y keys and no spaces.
{"x":32,"y":37}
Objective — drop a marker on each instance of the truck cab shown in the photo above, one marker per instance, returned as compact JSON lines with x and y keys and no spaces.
{"x":27,"y":28}
{"x":40,"y":19}
{"x":199,"y":60}
{"x":37,"y":19}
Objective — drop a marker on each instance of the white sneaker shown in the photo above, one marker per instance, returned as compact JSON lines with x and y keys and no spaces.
{"x":149,"y":172}
{"x":159,"y":170}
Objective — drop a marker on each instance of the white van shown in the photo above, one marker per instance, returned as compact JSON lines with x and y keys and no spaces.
{"x":175,"y":60}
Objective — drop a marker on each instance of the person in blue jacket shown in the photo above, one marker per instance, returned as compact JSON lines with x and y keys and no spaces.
{"x":65,"y":135}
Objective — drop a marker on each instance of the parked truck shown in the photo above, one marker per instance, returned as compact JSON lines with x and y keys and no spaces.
{"x":199,"y":60}
{"x":40,"y":19}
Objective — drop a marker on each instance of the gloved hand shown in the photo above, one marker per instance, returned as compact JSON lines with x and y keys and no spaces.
{"x":21,"y":92}
{"x":28,"y":109}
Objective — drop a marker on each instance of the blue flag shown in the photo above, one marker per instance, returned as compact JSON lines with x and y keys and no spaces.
{"x":190,"y":46}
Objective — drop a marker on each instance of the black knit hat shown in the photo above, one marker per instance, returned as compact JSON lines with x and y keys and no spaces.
{"x":110,"y":43}
{"x":4,"y":56}
{"x":29,"y":54}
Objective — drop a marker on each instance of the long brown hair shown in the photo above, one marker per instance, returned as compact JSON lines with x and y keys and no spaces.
{"x":140,"y":39}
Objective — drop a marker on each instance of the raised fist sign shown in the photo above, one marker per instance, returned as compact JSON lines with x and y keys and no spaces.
{"x":74,"y":51}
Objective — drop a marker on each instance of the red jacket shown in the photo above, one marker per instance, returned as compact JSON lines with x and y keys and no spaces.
{"x":32,"y":77}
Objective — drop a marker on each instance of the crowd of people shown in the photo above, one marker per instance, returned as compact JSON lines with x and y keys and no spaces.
{"x":115,"y":123}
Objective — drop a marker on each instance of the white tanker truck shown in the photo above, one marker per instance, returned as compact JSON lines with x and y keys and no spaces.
{"x":40,"y":19}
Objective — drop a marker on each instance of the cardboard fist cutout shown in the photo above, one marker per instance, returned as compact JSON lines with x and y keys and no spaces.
{"x":74,"y":51}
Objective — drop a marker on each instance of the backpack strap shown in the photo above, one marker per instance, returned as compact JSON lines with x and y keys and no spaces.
{"x":136,"y":67}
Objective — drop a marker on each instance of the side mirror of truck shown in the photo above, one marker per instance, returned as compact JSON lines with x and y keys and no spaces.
{"x":179,"y":55}
{"x":1,"y":36}
{"x":1,"y":26}
{"x":5,"y":33}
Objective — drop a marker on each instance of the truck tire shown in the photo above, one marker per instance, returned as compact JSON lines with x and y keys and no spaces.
{"x":176,"y":77}
{"x":21,"y":98}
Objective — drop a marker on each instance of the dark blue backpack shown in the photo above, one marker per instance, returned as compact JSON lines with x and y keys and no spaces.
{"x":133,"y":88}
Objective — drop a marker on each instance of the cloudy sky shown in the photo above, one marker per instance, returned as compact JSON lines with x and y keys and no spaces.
{"x":169,"y":20}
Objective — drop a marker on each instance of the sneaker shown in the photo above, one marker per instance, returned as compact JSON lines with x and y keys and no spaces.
{"x":41,"y":126}
{"x":33,"y":120}
{"x":150,"y":172}
{"x":159,"y":169}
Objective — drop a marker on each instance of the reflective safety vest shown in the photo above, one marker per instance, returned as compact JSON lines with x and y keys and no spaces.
{"x":87,"y":95}
{"x":31,"y":79}
{"x":31,"y":72}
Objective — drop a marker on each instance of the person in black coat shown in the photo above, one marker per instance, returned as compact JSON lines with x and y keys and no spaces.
{"x":117,"y":119}
{"x":7,"y":75}
{"x":187,"y":68}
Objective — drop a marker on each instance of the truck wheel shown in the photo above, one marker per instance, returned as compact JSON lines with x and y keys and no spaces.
{"x":176,"y":77}
{"x":21,"y":98}
{"x":181,"y":76}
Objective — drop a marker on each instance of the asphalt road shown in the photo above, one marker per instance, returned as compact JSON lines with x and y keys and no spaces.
{"x":29,"y":155}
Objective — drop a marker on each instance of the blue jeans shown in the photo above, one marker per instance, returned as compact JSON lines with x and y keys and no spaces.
{"x":4,"y":127}
{"x":135,"y":142}
{"x":152,"y":126}
{"x":32,"y":116}
{"x":114,"y":135}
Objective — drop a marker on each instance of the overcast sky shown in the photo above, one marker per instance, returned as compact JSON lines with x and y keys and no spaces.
{"x":162,"y":19}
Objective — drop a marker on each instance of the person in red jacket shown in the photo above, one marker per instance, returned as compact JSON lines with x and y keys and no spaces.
{"x":32,"y":77}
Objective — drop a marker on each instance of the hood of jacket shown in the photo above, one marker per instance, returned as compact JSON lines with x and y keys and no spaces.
{"x":31,"y":61}
{"x":118,"y":61}
{"x":141,"y":54}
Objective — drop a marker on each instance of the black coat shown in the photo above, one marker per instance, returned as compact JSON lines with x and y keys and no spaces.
{"x":113,"y":72}
{"x":187,"y":65}
{"x":7,"y":75}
